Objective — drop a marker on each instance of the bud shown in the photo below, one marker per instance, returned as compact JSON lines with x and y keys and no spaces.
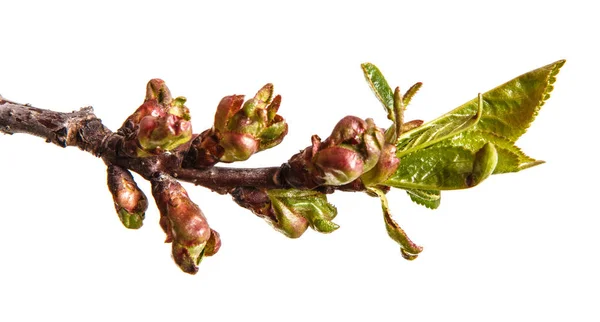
{"x":160,"y":124}
{"x":484,"y":164}
{"x":157,"y":90}
{"x":386,"y":166}
{"x":184,"y":223}
{"x":289,"y":211}
{"x":130,"y":201}
{"x":353,"y":148}
{"x":241,"y":129}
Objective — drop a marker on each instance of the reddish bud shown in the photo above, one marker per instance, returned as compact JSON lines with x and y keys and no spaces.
{"x":339,"y":165}
{"x":130,"y":201}
{"x":183,"y":222}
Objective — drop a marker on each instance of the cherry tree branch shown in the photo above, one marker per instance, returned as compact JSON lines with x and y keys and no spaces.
{"x":83,"y":129}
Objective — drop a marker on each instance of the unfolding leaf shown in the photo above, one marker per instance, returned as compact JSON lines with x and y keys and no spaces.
{"x":428,"y":198}
{"x":408,"y":249}
{"x":407,"y":97}
{"x":438,"y":156}
{"x":292,"y":204}
{"x":509,"y":109}
{"x":450,"y":124}
{"x":444,"y":168}
{"x":380,"y":87}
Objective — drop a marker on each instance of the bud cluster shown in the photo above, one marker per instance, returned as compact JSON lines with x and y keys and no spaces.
{"x":355,"y":149}
{"x":161,"y":123}
{"x":184,"y":223}
{"x":240,"y":129}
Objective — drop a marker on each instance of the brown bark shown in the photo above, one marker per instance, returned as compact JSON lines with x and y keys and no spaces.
{"x":85,"y":130}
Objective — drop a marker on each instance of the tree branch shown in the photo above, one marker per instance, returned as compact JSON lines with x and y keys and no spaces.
{"x":85,"y":130}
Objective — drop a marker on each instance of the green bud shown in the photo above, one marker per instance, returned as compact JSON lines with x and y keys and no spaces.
{"x":485,"y":162}
{"x":289,"y":211}
{"x":130,"y":202}
{"x":297,"y":209}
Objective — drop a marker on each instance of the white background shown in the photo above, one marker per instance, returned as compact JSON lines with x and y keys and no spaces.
{"x":520,"y":247}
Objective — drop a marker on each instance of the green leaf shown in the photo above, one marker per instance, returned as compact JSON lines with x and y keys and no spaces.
{"x":409,"y":250}
{"x":407,"y":97}
{"x":380,"y":87}
{"x":308,"y":204}
{"x":444,"y":168}
{"x":453,"y":153}
{"x":510,"y":108}
{"x":507,"y":111}
{"x":510,"y":157}
{"x":439,"y":129}
{"x":428,"y":198}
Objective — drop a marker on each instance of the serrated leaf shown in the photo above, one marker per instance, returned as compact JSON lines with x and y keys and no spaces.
{"x":380,"y":87}
{"x":510,"y":157}
{"x":308,"y":204}
{"x":428,"y":198}
{"x":443,"y":168}
{"x":511,"y":107}
{"x":444,"y":127}
{"x":507,"y":112}
{"x":407,"y":97}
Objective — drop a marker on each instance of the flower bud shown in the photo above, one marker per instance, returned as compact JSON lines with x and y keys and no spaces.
{"x":184,"y":223}
{"x":157,"y":90}
{"x":130,"y":201}
{"x":386,"y":165}
{"x":240,"y":129}
{"x":353,"y":148}
{"x":339,"y":165}
{"x":160,"y":124}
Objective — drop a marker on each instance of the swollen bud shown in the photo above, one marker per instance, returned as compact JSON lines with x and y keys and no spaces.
{"x":161,"y":123}
{"x":484,"y":165}
{"x":354,"y":148}
{"x":130,"y":201}
{"x":184,"y":223}
{"x":240,"y":129}
{"x":386,"y":166}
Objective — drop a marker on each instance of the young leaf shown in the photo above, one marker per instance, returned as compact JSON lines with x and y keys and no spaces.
{"x":380,"y":87}
{"x":407,"y":97}
{"x":428,"y":198}
{"x":439,"y":129}
{"x":507,"y":109}
{"x":308,"y":204}
{"x":408,"y":249}
{"x":444,"y":168}
{"x":447,"y":163}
